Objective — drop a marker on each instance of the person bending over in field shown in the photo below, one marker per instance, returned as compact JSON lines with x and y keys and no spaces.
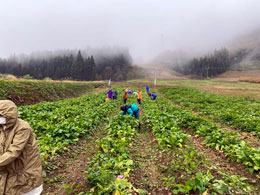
{"x":20,"y":163}
{"x":131,"y":109}
{"x":153,"y":96}
{"x":109,"y":93}
{"x":130,"y":92}
{"x":114,"y":94}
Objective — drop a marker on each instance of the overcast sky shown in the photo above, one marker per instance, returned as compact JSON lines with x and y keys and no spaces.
{"x":146,"y":27}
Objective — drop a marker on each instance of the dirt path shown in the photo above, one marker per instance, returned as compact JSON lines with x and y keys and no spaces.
{"x":67,"y":169}
{"x":146,"y":158}
{"x":250,"y":139}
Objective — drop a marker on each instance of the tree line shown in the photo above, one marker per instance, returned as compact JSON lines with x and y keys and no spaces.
{"x":206,"y":66}
{"x":74,"y":67}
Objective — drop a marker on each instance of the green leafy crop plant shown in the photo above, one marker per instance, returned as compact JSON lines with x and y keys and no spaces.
{"x":58,"y":124}
{"x":228,"y":142}
{"x":109,"y":170}
{"x":165,"y":129}
{"x":240,"y":113}
{"x":187,"y":171}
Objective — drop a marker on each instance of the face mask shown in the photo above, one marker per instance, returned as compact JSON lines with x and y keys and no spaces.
{"x":2,"y":120}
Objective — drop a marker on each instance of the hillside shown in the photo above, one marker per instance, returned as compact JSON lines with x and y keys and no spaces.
{"x":249,"y":40}
{"x":161,"y":72}
{"x":252,"y":76}
{"x":24,"y":92}
{"x":245,"y":51}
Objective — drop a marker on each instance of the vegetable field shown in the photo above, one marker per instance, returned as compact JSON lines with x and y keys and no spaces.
{"x":181,"y":146}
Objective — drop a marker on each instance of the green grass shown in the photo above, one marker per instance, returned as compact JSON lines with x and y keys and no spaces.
{"x":30,"y":92}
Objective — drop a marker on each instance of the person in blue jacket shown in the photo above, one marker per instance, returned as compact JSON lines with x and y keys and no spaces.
{"x":131,"y":109}
{"x":147,"y":88}
{"x":153,"y":95}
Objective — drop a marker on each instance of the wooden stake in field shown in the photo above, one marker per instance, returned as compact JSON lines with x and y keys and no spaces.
{"x":207,"y":72}
{"x":155,"y":81}
{"x":109,"y":82}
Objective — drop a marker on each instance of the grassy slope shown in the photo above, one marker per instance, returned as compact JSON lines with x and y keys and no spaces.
{"x":229,"y":88}
{"x":30,"y":92}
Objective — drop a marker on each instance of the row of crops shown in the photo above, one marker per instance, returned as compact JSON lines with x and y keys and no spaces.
{"x":109,"y":170}
{"x":187,"y":171}
{"x":240,"y":113}
{"x":228,"y":142}
{"x":59,"y":124}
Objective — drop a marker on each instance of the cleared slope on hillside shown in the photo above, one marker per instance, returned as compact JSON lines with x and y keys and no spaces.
{"x":30,"y":92}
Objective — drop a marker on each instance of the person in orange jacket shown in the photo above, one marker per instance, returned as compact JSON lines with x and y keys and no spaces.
{"x":139,"y":97}
{"x":125,"y":95}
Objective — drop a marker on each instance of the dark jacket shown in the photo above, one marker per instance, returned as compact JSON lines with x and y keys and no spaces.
{"x":114,"y":93}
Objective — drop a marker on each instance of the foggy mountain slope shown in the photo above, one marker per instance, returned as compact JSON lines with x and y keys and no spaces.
{"x":245,"y":51}
{"x":239,"y":54}
{"x":160,"y":71}
{"x":172,"y":58}
{"x":249,"y":40}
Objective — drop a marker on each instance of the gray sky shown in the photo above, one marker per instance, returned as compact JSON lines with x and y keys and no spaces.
{"x":146,"y":27}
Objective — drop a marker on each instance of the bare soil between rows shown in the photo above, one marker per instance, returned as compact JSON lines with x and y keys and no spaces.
{"x":70,"y":167}
{"x":147,"y":158}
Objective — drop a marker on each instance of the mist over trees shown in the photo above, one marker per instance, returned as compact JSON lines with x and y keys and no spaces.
{"x":71,"y":65}
{"x":206,"y":66}
{"x":219,"y":62}
{"x":246,"y":59}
